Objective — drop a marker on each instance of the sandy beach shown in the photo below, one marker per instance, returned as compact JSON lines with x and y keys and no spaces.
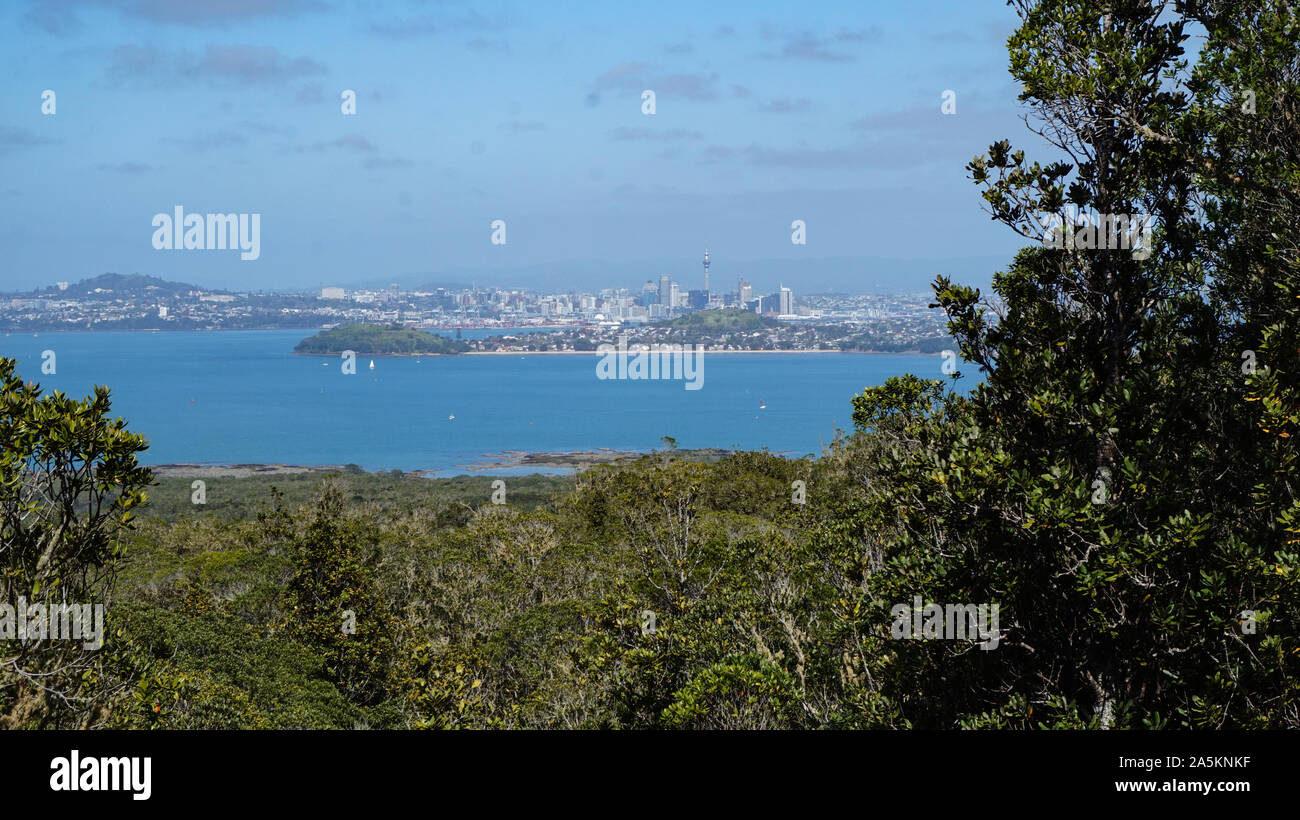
{"x":577,"y":459}
{"x":237,"y":470}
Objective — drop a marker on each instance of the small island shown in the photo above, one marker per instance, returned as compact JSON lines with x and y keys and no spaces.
{"x":728,"y":320}
{"x":378,"y":340}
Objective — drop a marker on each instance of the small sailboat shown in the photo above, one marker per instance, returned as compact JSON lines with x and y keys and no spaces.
{"x":372,"y":364}
{"x":762,"y":405}
{"x":452,"y":417}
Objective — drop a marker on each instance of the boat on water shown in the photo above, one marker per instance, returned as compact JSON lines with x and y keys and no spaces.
{"x":372,"y":364}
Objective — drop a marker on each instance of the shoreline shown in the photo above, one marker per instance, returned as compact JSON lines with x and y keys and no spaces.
{"x":912,"y":352}
{"x":503,"y":460}
{"x":374,"y":355}
{"x":575,"y":459}
{"x":24,"y":332}
{"x":631,"y":350}
{"x":219,"y":470}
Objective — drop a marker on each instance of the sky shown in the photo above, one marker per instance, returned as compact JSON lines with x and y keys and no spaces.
{"x":530,"y":113}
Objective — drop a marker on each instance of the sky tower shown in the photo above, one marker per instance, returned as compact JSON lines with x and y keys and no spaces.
{"x":706,"y":270}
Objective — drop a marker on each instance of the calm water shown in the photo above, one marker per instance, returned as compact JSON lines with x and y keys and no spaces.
{"x":243,"y":397}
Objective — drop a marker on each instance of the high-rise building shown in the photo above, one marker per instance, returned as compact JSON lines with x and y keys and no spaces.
{"x":746,"y":291}
{"x":706,"y":270}
{"x":666,"y":290}
{"x":787,"y":301}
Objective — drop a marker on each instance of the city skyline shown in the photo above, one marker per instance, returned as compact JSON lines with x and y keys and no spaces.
{"x":136,"y":302}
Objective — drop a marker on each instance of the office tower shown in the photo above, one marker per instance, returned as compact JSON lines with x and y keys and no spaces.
{"x":787,"y":301}
{"x":746,"y":291}
{"x":666,"y":290}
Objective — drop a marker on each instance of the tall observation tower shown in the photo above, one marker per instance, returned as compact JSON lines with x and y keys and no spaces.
{"x":706,"y":270}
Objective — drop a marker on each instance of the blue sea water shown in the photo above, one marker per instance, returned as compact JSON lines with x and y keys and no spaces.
{"x":235,"y":397}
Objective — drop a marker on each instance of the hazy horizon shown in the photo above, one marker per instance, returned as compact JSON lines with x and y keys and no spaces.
{"x":861,"y":275}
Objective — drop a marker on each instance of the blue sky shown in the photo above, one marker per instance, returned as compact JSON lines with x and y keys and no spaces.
{"x":827,"y":112}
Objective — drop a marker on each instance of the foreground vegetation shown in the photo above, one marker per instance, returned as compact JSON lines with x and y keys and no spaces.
{"x":233,"y":499}
{"x":1121,"y":484}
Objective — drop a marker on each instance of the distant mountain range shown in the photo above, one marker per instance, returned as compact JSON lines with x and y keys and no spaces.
{"x":829,"y":275}
{"x":854,"y":275}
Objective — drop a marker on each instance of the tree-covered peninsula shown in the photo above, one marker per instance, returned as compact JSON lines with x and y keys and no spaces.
{"x":378,"y":340}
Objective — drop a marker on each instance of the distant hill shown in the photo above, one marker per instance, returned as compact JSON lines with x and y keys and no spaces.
{"x":378,"y":340}
{"x":719,"y":320}
{"x":115,"y":286}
